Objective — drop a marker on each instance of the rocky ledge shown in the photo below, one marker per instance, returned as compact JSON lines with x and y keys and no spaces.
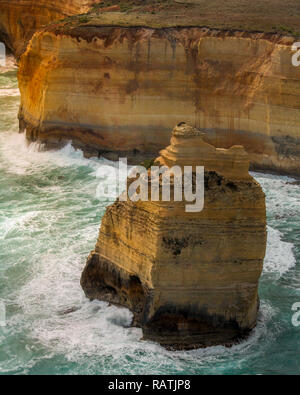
{"x":115,"y":83}
{"x":190,"y":278}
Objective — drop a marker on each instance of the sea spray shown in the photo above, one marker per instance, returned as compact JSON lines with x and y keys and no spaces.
{"x":49,"y":220}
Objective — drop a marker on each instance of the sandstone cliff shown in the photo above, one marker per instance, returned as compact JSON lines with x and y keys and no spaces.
{"x":19,"y":19}
{"x":190,"y":278}
{"x":120,"y":89}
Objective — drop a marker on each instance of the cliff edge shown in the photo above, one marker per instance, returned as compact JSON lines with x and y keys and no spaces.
{"x":115,"y":80}
{"x":20,"y":19}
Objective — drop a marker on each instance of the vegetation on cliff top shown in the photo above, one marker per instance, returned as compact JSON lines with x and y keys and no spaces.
{"x":269,"y":16}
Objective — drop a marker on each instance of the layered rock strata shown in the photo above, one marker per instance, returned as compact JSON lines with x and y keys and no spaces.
{"x":119,"y":90}
{"x":19,"y":19}
{"x":190,"y":278}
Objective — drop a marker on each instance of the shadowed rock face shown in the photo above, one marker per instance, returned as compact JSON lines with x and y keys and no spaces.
{"x":20,"y":19}
{"x":119,"y":90}
{"x":190,"y":279}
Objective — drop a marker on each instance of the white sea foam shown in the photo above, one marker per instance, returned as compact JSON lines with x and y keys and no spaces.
{"x":48,"y":245}
{"x":282,"y":197}
{"x":69,"y":324}
{"x":283,"y":204}
{"x":54,"y":310}
{"x":61,"y":319}
{"x":279,"y":254}
{"x":32,"y":156}
{"x":18,"y":224}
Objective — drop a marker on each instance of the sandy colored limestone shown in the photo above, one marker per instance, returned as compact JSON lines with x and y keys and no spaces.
{"x":191,"y":279}
{"x":118,"y":91}
{"x":20,"y":19}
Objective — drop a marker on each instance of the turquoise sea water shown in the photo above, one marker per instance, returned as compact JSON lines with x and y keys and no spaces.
{"x":49,"y":221}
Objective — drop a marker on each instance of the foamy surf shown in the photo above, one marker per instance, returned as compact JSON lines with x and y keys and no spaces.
{"x":73,"y":325}
{"x":279,"y":254}
{"x":49,"y":221}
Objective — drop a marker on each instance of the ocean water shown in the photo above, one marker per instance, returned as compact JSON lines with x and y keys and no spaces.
{"x":49,"y":221}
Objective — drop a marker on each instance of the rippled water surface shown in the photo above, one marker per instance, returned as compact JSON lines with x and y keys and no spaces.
{"x":49,"y":220}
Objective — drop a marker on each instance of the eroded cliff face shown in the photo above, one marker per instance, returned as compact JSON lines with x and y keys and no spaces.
{"x":19,"y":19}
{"x":190,"y":278}
{"x":118,"y":89}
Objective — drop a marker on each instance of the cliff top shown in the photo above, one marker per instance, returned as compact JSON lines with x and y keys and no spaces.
{"x":268,"y":16}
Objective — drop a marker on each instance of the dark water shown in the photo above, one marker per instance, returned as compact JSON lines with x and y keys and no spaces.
{"x":49,"y":220}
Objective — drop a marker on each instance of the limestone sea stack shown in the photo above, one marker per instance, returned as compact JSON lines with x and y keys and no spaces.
{"x":190,"y":278}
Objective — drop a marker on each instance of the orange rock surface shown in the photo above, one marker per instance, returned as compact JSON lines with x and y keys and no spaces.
{"x":119,"y":90}
{"x":19,"y":19}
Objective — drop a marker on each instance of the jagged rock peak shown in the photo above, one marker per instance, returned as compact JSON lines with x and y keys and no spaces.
{"x":185,"y":130}
{"x":189,"y":148}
